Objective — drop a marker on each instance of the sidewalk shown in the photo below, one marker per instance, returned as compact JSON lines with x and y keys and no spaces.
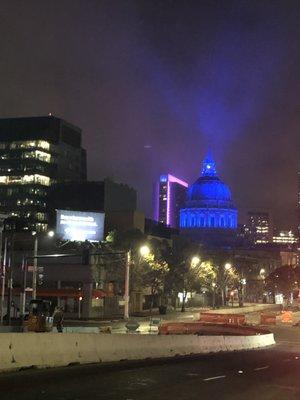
{"x":191,"y":314}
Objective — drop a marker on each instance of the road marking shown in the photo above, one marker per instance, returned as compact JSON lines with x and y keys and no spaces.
{"x":215,"y":377}
{"x":191,"y":374}
{"x":287,"y":360}
{"x":260,"y":368}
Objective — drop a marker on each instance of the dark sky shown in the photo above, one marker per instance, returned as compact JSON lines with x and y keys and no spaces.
{"x":155,"y":84}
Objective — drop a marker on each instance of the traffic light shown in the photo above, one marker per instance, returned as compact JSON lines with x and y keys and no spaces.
{"x":40,"y":275}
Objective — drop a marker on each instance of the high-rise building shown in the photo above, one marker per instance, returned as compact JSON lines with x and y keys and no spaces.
{"x":259,"y":227}
{"x":169,"y":199}
{"x":36,"y":152}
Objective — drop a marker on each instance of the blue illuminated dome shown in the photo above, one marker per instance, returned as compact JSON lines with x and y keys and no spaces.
{"x":209,"y":202}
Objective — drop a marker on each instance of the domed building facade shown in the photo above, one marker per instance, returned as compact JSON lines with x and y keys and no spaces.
{"x":210,"y":210}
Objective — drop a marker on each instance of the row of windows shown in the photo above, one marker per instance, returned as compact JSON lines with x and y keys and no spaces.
{"x":38,"y":215}
{"x":26,"y":179}
{"x":27,"y":144}
{"x":34,"y":202}
{"x":11,"y":191}
{"x":207,"y":221}
{"x":34,"y":154}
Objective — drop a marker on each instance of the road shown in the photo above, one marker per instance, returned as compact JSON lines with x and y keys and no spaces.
{"x":261,"y":375}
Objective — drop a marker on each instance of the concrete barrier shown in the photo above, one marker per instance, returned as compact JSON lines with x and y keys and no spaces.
{"x":54,"y":350}
{"x":79,"y":329}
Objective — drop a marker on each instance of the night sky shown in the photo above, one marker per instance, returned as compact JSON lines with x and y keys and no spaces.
{"x":155,"y":84}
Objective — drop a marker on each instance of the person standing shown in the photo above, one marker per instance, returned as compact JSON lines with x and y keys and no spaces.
{"x":58,"y":317}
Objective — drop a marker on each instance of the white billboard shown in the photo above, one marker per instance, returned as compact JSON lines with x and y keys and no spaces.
{"x":80,"y":225}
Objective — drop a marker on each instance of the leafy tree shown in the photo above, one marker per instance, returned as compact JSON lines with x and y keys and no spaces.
{"x":152,"y":274}
{"x":282,"y":280}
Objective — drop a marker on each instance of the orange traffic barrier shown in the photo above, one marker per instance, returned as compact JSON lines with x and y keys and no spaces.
{"x":204,"y":328}
{"x":177,"y":328}
{"x":286,"y":316}
{"x":268,"y":319}
{"x":231,"y":319}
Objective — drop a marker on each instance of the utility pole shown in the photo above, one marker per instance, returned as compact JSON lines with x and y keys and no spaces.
{"x":10,"y":280}
{"x":127,"y":286}
{"x":3,"y":273}
{"x":23,"y":298}
{"x":34,"y":273}
{"x":2,"y":265}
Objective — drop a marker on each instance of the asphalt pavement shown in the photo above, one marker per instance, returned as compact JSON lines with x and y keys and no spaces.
{"x":269,"y":374}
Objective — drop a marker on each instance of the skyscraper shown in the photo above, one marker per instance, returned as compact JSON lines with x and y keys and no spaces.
{"x":36,"y":152}
{"x":169,"y":199}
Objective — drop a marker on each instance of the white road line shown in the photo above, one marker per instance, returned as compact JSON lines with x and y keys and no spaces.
{"x":260,"y":368}
{"x":287,"y":360}
{"x":215,"y":377}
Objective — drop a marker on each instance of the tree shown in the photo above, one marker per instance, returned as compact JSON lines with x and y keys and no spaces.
{"x":181,"y":277}
{"x":152,"y":275}
{"x":282,"y":280}
{"x":226,"y":275}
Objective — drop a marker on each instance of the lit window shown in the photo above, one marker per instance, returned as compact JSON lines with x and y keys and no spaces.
{"x":29,"y":144}
{"x":41,"y":179}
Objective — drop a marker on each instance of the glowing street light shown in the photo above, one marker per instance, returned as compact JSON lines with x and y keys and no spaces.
{"x":262,"y":271}
{"x":51,"y":234}
{"x":195,"y":261}
{"x":227,"y":266}
{"x":144,"y":251}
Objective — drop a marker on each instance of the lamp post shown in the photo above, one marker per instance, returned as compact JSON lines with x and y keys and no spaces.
{"x":35,"y":264}
{"x":144,"y":252}
{"x":2,"y":265}
{"x":127,"y":277}
{"x":214,"y":295}
{"x":3,"y":273}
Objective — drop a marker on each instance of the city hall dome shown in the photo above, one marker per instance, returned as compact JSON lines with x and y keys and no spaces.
{"x":209,"y":202}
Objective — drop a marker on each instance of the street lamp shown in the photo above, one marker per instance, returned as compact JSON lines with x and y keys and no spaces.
{"x":214,"y":294}
{"x":227,"y":266}
{"x":2,"y":264}
{"x":144,"y":252}
{"x":35,"y":253}
{"x":195,"y":261}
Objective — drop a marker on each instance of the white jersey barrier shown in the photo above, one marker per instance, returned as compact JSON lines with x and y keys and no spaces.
{"x":19,"y":350}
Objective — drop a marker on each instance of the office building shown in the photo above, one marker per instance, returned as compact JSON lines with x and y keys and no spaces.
{"x":170,"y":197}
{"x":35,"y":153}
{"x":118,"y":201}
{"x":259,"y":227}
{"x":285,"y":237}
